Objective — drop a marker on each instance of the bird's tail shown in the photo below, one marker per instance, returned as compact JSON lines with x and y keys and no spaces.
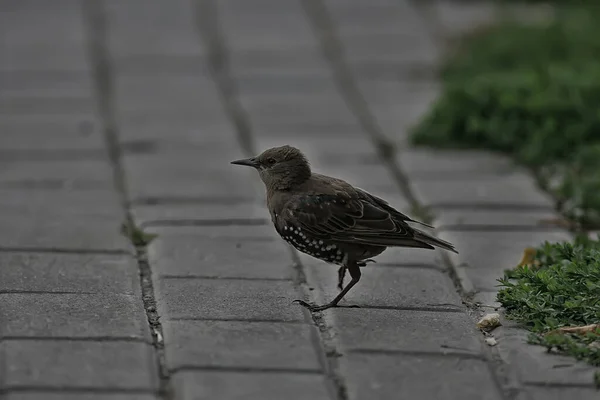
{"x":433,"y":241}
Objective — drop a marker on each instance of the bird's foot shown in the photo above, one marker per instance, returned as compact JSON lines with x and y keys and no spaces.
{"x":314,"y":307}
{"x":364,"y":262}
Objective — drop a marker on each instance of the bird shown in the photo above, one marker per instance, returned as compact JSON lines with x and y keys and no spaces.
{"x":331,"y":220}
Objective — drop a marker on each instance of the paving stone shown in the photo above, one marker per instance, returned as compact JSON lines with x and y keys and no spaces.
{"x":292,"y":90}
{"x":265,"y":109}
{"x":152,"y":28}
{"x":171,"y":175}
{"x":534,"y":365}
{"x":200,"y":210}
{"x":461,"y":18}
{"x":420,"y":331}
{"x":72,"y":315}
{"x":37,"y":57}
{"x":45,"y":219}
{"x":437,"y":164}
{"x":33,"y":132}
{"x":41,"y":395}
{"x":456,"y":219}
{"x":28,"y":105}
{"x":485,"y":255}
{"x":194,"y":254}
{"x":51,"y":272}
{"x":400,"y":49}
{"x":305,"y":60}
{"x":62,"y":25}
{"x":558,"y":393}
{"x":378,"y":376}
{"x":45,"y":84}
{"x":171,"y":92}
{"x":389,"y":287}
{"x":509,"y":189}
{"x":77,"y":364}
{"x":228,"y":299}
{"x":234,"y":344}
{"x":65,"y":175}
{"x":208,"y":385}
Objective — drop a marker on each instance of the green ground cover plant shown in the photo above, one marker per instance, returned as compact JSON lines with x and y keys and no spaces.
{"x":560,"y":289}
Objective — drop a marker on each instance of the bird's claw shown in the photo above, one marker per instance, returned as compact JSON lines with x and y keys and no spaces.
{"x":313,"y":307}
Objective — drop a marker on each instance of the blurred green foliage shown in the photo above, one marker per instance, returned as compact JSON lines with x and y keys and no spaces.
{"x":533,"y":92}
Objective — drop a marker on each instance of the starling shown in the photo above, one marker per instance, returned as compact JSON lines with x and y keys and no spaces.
{"x":329,"y":219}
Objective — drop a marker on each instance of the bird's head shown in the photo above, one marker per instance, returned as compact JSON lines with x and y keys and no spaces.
{"x":280,"y":168}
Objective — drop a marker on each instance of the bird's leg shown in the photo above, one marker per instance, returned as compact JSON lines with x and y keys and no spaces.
{"x":341,"y":276}
{"x":354,"y":270}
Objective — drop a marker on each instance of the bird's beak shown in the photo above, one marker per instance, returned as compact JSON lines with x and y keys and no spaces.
{"x":249,"y":162}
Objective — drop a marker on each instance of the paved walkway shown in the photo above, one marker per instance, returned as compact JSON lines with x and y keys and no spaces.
{"x":130,"y":110}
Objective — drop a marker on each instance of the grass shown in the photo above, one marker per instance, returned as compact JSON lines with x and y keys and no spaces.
{"x":560,"y":289}
{"x":532,"y":92}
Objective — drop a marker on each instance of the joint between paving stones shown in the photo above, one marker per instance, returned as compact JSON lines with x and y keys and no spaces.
{"x":207,"y":23}
{"x":96,"y":25}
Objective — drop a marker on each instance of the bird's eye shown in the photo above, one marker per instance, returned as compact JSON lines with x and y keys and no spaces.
{"x":271,"y":161}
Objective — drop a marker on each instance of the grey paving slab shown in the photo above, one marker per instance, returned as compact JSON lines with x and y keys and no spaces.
{"x":389,"y":287}
{"x":66,"y":105}
{"x":40,"y":57}
{"x":534,"y":365}
{"x":228,"y":299}
{"x":394,"y":330}
{"x":46,"y":219}
{"x":181,"y":175}
{"x":456,"y":219}
{"x":41,"y":395}
{"x":51,"y":272}
{"x":377,"y":376}
{"x":510,"y":189}
{"x":461,"y":18}
{"x":159,"y":65}
{"x":275,"y":107}
{"x":485,"y":255}
{"x":208,"y":385}
{"x":190,"y":92}
{"x":152,"y":27}
{"x":200,"y":209}
{"x":558,"y":393}
{"x":301,"y":60}
{"x":235,"y":344}
{"x":77,"y":364}
{"x":35,"y":132}
{"x":45,"y":84}
{"x":177,"y":253}
{"x":72,"y":315}
{"x":437,"y":164}
{"x":62,"y":23}
{"x":65,"y":175}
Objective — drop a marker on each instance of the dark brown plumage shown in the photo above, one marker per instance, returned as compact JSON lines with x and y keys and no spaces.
{"x":330,"y":219}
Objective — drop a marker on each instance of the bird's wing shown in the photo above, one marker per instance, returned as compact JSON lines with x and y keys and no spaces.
{"x":385,"y":205}
{"x":346,"y":218}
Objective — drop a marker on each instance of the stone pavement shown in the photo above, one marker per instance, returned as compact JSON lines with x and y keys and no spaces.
{"x":130,"y":110}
